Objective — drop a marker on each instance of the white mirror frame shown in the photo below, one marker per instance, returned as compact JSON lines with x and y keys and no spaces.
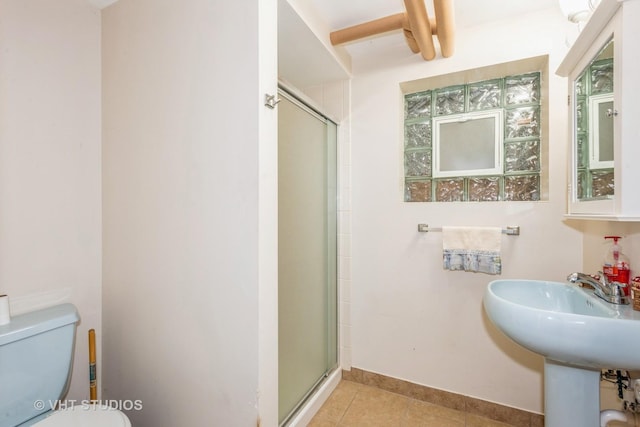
{"x":594,"y":131}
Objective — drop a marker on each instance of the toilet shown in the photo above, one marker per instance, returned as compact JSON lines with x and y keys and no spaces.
{"x":36,"y":350}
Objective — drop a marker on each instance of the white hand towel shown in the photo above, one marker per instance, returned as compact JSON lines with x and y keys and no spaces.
{"x":475,"y":249}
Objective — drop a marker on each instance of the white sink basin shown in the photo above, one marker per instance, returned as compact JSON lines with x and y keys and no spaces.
{"x":566,"y":323}
{"x":577,"y":333}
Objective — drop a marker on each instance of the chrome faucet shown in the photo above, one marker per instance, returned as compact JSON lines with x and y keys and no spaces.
{"x":611,"y":292}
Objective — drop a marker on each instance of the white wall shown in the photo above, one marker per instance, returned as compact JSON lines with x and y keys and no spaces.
{"x":50,"y":213}
{"x":595,"y":247}
{"x":190,"y":273}
{"x":410,"y":319}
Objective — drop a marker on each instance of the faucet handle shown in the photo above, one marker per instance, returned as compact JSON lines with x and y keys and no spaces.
{"x":617,"y":288}
{"x":603,"y":279}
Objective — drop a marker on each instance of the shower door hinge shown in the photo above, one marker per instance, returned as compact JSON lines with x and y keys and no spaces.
{"x":270,"y":101}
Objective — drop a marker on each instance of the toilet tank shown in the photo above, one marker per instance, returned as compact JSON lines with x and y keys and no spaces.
{"x":36,"y":355}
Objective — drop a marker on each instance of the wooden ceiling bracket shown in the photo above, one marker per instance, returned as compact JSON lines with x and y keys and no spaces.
{"x":411,"y":41}
{"x":378,"y":26}
{"x":420,"y":27}
{"x":445,"y":31}
{"x":417,"y":26}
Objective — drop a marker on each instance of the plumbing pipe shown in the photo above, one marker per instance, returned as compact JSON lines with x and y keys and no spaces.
{"x":382,"y":25}
{"x":609,"y":415}
{"x":421,"y":27}
{"x":446,"y":26}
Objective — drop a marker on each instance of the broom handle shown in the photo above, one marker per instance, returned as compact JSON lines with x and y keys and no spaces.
{"x":93,"y":382}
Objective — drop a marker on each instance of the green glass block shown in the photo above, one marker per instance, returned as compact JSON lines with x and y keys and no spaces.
{"x":602,"y":77}
{"x":450,"y":190}
{"x":417,"y":105}
{"x":417,"y":191}
{"x":522,"y":156}
{"x":580,"y":87}
{"x":485,"y":95}
{"x":484,"y":189}
{"x":522,"y":188}
{"x":417,"y":163}
{"x":602,"y":184}
{"x":522,"y":122}
{"x":582,"y":157}
{"x":523,"y":89}
{"x":418,"y":135}
{"x":582,"y":115}
{"x":449,"y":100}
{"x":582,"y":188}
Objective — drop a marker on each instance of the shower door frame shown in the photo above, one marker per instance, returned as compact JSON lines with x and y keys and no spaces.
{"x":331,"y":168}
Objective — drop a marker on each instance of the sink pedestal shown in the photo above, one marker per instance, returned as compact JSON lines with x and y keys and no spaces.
{"x":571,"y":395}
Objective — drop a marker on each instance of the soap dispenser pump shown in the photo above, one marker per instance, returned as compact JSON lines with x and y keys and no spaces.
{"x":616,"y":265}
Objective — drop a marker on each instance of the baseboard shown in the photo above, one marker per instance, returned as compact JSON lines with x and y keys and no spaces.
{"x":483,"y":408}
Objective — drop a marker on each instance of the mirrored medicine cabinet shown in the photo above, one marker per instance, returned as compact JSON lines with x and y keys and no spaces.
{"x":604,"y":115}
{"x":593,"y":109}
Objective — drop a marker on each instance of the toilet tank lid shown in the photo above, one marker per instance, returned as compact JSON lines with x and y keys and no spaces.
{"x":36,"y":322}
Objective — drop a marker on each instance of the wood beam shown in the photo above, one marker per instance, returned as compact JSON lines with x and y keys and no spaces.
{"x":411,"y":41}
{"x":420,"y":27}
{"x":382,"y":25}
{"x":446,"y":26}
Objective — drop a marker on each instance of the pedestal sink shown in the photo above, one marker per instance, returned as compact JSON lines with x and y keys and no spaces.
{"x":577,"y":333}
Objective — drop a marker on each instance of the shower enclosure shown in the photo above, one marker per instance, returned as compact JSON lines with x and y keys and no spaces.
{"x":307,"y":290}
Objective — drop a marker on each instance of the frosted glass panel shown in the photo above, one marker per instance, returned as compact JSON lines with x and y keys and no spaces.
{"x":307,"y":252}
{"x":459,"y":151}
{"x":468,"y":144}
{"x":601,"y":131}
{"x":605,"y":132}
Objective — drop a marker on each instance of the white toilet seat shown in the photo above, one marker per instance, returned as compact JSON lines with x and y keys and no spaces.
{"x":85,"y":415}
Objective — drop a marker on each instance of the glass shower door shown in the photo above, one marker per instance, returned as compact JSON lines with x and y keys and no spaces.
{"x":307,"y":209}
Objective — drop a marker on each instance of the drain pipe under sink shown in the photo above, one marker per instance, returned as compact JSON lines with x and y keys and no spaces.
{"x":612,"y":415}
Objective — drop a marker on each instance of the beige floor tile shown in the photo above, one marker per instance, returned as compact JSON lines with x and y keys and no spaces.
{"x":350,"y":386}
{"x":357,"y":405}
{"x":423,"y":414}
{"x":372,"y":408}
{"x":476,"y":421}
{"x":336,"y":405}
{"x":318,"y":422}
{"x":432,"y":422}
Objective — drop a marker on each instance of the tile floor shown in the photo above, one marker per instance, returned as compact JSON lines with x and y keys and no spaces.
{"x":352,"y":404}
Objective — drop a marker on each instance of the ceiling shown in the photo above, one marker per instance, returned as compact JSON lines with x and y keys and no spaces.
{"x":339,"y":14}
{"x":468,"y":13}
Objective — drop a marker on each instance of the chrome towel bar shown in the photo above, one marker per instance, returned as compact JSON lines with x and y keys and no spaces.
{"x":510,"y":230}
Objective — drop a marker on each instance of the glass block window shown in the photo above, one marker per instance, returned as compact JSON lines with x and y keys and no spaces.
{"x":518,"y":179}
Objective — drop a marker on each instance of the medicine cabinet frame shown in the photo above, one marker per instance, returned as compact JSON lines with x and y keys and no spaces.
{"x":612,"y":20}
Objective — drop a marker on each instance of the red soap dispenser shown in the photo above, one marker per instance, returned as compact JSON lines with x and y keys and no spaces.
{"x":616,"y":265}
